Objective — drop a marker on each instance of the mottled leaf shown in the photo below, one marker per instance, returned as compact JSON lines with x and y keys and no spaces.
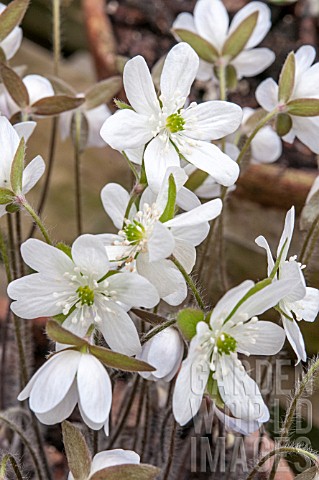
{"x":56,"y":104}
{"x":17,"y":168}
{"x":12,"y":16}
{"x":102,"y":92}
{"x":59,"y":334}
{"x":120,"y":361}
{"x":304,"y":107}
{"x":77,"y":452}
{"x":205,"y":50}
{"x":237,"y":41}
{"x":287,"y":78}
{"x":15,"y":86}
{"x":127,"y":472}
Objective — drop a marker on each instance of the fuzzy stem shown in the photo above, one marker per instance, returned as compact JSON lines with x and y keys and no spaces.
{"x":222,"y":82}
{"x":3,"y":467}
{"x":310,"y":241}
{"x":56,"y":7}
{"x":146,"y":421}
{"x":77,"y":172}
{"x":36,"y":219}
{"x":132,"y":167}
{"x":281,"y":451}
{"x":171,"y":451}
{"x":156,"y":330}
{"x":26,"y":442}
{"x":189,"y":282}
{"x":251,"y":137}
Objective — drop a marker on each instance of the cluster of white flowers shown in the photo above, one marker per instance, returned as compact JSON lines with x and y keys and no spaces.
{"x":93,"y":286}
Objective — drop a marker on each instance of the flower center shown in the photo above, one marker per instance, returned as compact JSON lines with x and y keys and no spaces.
{"x":175,"y":123}
{"x":226,"y":344}
{"x":86,"y":295}
{"x":134,"y":232}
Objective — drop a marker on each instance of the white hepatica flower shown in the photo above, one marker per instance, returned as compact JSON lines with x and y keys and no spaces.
{"x":164,"y":352}
{"x":38,"y":87}
{"x":12,"y":42}
{"x":95,"y":119}
{"x":110,"y":458}
{"x":211,"y":22}
{"x":168,"y":129}
{"x":10,"y":138}
{"x":305,"y":86}
{"x":302,"y":302}
{"x":75,"y":287}
{"x":68,"y":378}
{"x":215,"y":347}
{"x":145,"y":243}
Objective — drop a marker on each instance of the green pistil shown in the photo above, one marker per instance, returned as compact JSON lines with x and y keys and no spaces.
{"x":226,"y":344}
{"x":175,"y":123}
{"x":134,"y":232}
{"x":86,"y":295}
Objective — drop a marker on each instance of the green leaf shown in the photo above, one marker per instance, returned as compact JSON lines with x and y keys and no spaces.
{"x":59,"y":334}
{"x":310,"y":212}
{"x":6,"y":196}
{"x":12,"y":208}
{"x":65,"y":248}
{"x":56,"y":104}
{"x":169,"y":210}
{"x":213,"y":391}
{"x":237,"y":41}
{"x":195,"y":180}
{"x":12,"y":16}
{"x":205,"y":50}
{"x":287,"y":78}
{"x":77,"y":452}
{"x":231,"y":77}
{"x":187,"y":321}
{"x":122,"y":105}
{"x":102,"y":92}
{"x":119,"y":361}
{"x":283,"y":124}
{"x":127,"y":472}
{"x":17,"y":168}
{"x":304,"y":107}
{"x":149,"y":317}
{"x":15,"y":86}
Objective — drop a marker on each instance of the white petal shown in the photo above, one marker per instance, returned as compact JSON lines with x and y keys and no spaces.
{"x":45,"y":259}
{"x":185,"y":253}
{"x":212,"y":120}
{"x":304,"y":58}
{"x":264,"y":338}
{"x":262,"y":242}
{"x":54,"y":382}
{"x":32,"y":173}
{"x":310,"y":305}
{"x":307,"y":86}
{"x":211,"y":159}
{"x":38,"y":87}
{"x":179,"y":72}
{"x":189,"y":388}
{"x":159,"y":155}
{"x":165,"y":277}
{"x":115,"y":199}
{"x":11,"y":44}
{"x":113,"y":457}
{"x":266,"y":147}
{"x":295,"y":338}
{"x":161,"y":243}
{"x":204,"y":213}
{"x":306,"y":129}
{"x":184,"y":21}
{"x":95,"y":118}
{"x":9,"y":138}
{"x":239,"y":425}
{"x":65,"y":121}
{"x":133,"y":290}
{"x":286,"y":236}
{"x":88,"y":253}
{"x":180,"y":178}
{"x":252,"y":62}
{"x":263,"y":22}
{"x":238,"y":390}
{"x":193,"y":236}
{"x":292,"y":271}
{"x":187,"y":200}
{"x":119,"y":330}
{"x":126,"y":129}
{"x":226,"y":304}
{"x":267,"y":94}
{"x":63,"y":410}
{"x":211,"y":21}
{"x":25,"y":129}
{"x":75,"y":324}
{"x":95,"y":389}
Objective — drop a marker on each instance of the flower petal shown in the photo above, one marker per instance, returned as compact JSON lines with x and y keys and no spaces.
{"x":126,"y":129}
{"x":113,"y":457}
{"x":226,"y":304}
{"x":262,"y":242}
{"x":25,"y":129}
{"x":266,"y":147}
{"x":204,"y":213}
{"x":263,"y":23}
{"x":252,"y":62}
{"x":115,"y":199}
{"x":286,"y":236}
{"x":295,"y":338}
{"x":32,"y":173}
{"x":306,"y":129}
{"x":267,"y":94}
{"x":139,"y":87}
{"x":211,"y":21}
{"x":159,"y":155}
{"x":161,"y":243}
{"x":88,"y":253}
{"x":264,"y":338}
{"x":133,"y":290}
{"x":61,"y":411}
{"x":185,"y":253}
{"x":179,"y":72}
{"x":95,"y":389}
{"x":45,"y":258}
{"x":212,"y":120}
{"x":95,"y":119}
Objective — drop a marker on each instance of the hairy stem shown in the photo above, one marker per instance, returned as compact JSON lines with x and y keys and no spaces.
{"x":189,"y":282}
{"x":3,"y":467}
{"x":37,"y":220}
{"x":77,"y":172}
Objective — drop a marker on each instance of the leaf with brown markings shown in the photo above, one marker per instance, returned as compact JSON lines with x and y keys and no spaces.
{"x":12,"y":16}
{"x":77,"y":452}
{"x":56,"y":104}
{"x":102,"y":92}
{"x":127,"y":472}
{"x":15,"y":86}
{"x":59,"y":334}
{"x":119,"y":361}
